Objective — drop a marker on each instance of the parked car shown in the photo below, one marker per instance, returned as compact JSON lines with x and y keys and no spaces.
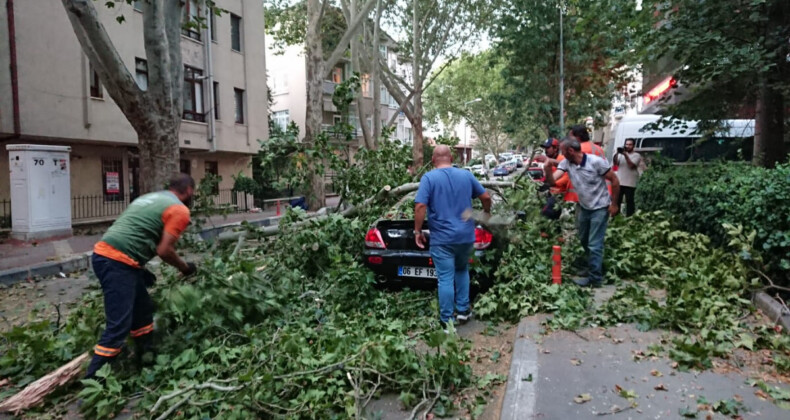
{"x":501,"y":170}
{"x":478,"y":170}
{"x":536,"y":173}
{"x":511,"y":165}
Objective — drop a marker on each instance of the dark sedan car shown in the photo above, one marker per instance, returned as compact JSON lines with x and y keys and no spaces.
{"x":391,"y":253}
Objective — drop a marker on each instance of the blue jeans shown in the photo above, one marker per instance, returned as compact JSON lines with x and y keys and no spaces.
{"x":592,"y":230}
{"x":452,"y":268}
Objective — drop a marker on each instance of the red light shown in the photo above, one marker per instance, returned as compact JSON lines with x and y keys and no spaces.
{"x":430,"y":261}
{"x":375,"y":260}
{"x":373,"y":239}
{"x":659,"y":90}
{"x":483,"y":238}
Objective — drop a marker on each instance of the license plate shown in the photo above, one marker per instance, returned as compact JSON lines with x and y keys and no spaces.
{"x":424,"y":272}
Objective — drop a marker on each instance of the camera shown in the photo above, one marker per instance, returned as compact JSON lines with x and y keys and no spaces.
{"x":619,"y":150}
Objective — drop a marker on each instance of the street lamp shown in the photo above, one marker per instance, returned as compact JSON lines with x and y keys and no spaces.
{"x":466,"y":125}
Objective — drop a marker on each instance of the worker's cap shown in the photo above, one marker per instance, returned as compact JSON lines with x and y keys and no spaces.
{"x":550,"y":142}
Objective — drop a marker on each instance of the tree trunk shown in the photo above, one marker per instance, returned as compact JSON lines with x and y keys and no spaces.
{"x":159,"y":155}
{"x":768,"y":127}
{"x":155,"y":114}
{"x":315,"y":99}
{"x":769,"y":146}
{"x":416,"y":120}
{"x":375,"y":80}
{"x":416,"y":123}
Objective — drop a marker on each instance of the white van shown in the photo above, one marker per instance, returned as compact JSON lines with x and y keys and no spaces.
{"x":683,"y":145}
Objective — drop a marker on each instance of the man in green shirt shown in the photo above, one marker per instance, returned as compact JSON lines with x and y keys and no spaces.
{"x":149,"y":227}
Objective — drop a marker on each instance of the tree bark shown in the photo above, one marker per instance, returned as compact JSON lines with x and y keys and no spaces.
{"x":375,"y":80}
{"x":315,"y":97}
{"x":769,"y":147}
{"x":416,"y":120}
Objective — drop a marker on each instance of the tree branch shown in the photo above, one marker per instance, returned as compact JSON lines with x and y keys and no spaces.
{"x":342,"y":45}
{"x":104,"y":58}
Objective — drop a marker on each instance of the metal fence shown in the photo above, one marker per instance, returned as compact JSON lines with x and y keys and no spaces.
{"x":98,"y":207}
{"x":5,"y":214}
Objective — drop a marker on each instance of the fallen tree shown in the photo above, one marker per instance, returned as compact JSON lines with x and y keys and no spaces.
{"x":384,"y":194}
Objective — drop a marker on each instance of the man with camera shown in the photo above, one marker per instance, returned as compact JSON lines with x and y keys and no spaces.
{"x":627,"y":164}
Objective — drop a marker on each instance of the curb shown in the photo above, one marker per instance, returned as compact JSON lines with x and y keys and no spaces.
{"x":521,"y":394}
{"x":69,"y":265}
{"x":79,"y":262}
{"x":772,"y":309}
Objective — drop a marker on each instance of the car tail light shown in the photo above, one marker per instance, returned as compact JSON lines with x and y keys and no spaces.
{"x":375,"y":260}
{"x":373,"y":239}
{"x":483,"y":238}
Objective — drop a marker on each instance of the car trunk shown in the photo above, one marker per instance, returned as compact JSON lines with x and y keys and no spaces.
{"x":399,"y":234}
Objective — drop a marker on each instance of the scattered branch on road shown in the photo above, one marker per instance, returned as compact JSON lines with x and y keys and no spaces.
{"x":35,"y":393}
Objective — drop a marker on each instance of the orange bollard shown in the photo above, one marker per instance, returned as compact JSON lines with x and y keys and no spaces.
{"x":278,"y":207}
{"x":556,"y":269}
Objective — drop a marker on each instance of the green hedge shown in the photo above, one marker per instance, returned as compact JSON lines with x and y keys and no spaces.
{"x":703,"y":197}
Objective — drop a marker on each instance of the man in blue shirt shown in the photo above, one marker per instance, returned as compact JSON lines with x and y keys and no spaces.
{"x":446,"y":193}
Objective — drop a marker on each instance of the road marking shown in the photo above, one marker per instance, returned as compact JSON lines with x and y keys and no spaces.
{"x":520,"y":396}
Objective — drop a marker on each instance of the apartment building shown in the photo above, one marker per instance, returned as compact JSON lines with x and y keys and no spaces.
{"x":49,"y":93}
{"x":287,"y":70}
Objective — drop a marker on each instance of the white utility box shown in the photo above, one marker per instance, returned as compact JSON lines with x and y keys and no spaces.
{"x":40,"y":191}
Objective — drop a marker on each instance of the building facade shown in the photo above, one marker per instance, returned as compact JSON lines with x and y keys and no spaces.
{"x":287,"y":72}
{"x":49,"y":93}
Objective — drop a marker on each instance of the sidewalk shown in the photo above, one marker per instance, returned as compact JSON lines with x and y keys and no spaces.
{"x":567,"y":375}
{"x":18,"y":254}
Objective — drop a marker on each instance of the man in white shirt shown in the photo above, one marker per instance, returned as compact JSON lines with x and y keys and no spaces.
{"x":589,"y":174}
{"x":628,"y":165}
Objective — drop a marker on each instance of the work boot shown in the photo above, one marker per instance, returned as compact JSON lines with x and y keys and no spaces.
{"x":96,"y":363}
{"x":144,"y":351}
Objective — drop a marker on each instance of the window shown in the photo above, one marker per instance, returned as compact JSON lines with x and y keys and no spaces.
{"x":138,"y":5}
{"x":385,"y":95}
{"x":383,"y":51}
{"x":191,"y":19}
{"x":213,"y":22}
{"x":213,"y":168}
{"x":216,"y":100}
{"x":336,"y":119}
{"x":111,"y":170}
{"x":96,"y":90}
{"x":235,"y":33}
{"x":365,"y":82}
{"x":238,"y":99}
{"x":337,"y":75}
{"x":281,"y":119}
{"x":141,"y":73}
{"x":193,"y":94}
{"x":279,"y":84}
{"x":185,"y":167}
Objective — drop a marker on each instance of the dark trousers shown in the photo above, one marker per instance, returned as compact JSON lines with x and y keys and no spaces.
{"x":127,"y":306}
{"x":628,"y":192}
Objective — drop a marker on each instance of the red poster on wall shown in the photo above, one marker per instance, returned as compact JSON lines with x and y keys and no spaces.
{"x":113,"y":182}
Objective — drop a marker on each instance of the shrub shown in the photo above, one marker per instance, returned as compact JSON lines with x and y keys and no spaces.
{"x":704,"y":197}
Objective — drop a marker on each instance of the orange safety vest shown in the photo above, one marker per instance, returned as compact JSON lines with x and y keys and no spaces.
{"x":589,"y":148}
